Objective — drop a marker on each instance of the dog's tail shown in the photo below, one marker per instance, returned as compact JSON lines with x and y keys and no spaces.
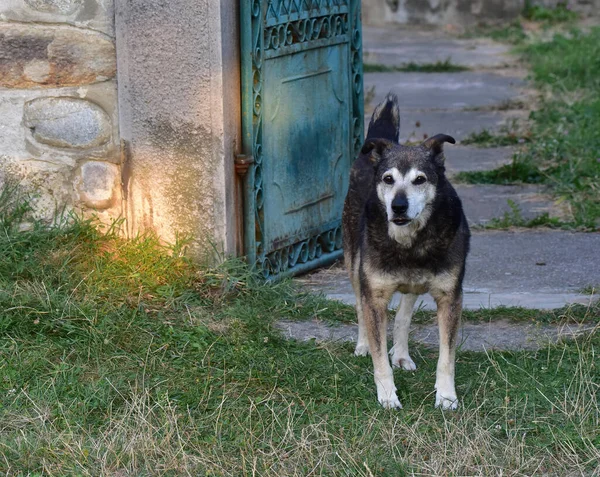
{"x":385,"y":122}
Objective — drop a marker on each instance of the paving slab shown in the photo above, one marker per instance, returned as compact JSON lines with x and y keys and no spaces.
{"x":446,"y":90}
{"x":467,"y":158}
{"x":417,"y":125}
{"x":527,"y":268}
{"x":484,"y":202}
{"x":496,"y":335}
{"x":396,"y":45}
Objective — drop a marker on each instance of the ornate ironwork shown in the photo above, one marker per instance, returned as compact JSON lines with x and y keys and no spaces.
{"x":306,"y":30}
{"x":276,"y":26}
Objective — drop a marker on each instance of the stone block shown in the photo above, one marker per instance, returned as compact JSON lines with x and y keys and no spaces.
{"x":97,"y":15}
{"x":67,"y":122}
{"x":97,"y":183}
{"x":49,"y":56}
{"x":61,"y":7}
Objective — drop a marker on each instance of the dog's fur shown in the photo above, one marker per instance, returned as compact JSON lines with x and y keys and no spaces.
{"x":404,"y":230}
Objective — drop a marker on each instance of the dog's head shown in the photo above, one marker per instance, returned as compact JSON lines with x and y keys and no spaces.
{"x":406,"y":177}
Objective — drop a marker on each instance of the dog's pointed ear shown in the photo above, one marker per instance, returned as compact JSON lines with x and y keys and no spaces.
{"x":373,"y":149}
{"x":436,"y":145}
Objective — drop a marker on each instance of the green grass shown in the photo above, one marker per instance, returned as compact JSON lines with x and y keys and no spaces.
{"x":514,"y":218}
{"x":445,"y":66}
{"x":506,"y":137}
{"x":551,"y":16}
{"x":515,"y":172}
{"x":519,"y":31}
{"x":121,"y":357}
{"x":569,"y":314}
{"x":568,"y":63}
{"x":512,"y":33}
{"x":564,"y":139}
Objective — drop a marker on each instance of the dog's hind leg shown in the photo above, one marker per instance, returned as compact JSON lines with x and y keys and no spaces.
{"x":362,"y":343}
{"x":448,"y":314}
{"x":399,"y":352}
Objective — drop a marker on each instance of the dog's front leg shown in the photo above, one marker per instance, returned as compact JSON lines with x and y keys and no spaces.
{"x":448,"y":313}
{"x":400,"y":356}
{"x":374,"y":306}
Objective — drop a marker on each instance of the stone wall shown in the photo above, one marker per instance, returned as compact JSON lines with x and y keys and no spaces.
{"x":158,"y":149}
{"x":59,"y":131}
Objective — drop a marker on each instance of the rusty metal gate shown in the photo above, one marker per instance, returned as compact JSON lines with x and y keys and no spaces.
{"x":302,"y":120}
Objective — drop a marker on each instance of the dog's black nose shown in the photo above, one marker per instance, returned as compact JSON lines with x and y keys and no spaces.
{"x":399,"y":205}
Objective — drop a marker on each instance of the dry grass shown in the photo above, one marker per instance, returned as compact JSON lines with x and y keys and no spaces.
{"x":148,"y":435}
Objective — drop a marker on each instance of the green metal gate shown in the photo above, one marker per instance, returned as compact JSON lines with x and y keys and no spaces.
{"x":302,"y":120}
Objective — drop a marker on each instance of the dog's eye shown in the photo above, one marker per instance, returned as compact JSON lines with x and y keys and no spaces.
{"x":388,"y":179}
{"x":420,"y":180}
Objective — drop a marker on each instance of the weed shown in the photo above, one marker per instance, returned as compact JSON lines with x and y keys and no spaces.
{"x":518,"y":171}
{"x":445,"y":66}
{"x":508,"y":135}
{"x":513,"y":33}
{"x":514,"y":218}
{"x":590,"y":290}
{"x":561,"y":13}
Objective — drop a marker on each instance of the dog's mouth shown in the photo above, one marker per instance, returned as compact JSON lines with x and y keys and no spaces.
{"x":401,"y":220}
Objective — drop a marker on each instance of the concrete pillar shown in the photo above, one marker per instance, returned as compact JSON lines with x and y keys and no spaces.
{"x":179,"y":99}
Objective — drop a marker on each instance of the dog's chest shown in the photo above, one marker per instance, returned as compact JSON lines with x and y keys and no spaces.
{"x":404,"y":280}
{"x":412,"y":280}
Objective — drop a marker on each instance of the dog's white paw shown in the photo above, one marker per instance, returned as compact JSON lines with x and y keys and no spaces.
{"x":390,"y":402}
{"x":448,"y":402}
{"x":405,"y":362}
{"x":362,"y":349}
{"x":386,"y":395}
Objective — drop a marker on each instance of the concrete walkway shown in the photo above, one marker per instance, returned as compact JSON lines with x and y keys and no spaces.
{"x":529,"y":268}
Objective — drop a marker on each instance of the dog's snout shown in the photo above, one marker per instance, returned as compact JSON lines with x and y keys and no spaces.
{"x":399,"y":205}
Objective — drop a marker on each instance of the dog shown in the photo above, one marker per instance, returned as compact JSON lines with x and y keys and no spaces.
{"x":404,"y":230}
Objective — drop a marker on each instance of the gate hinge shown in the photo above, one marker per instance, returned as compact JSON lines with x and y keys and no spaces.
{"x":242,"y":162}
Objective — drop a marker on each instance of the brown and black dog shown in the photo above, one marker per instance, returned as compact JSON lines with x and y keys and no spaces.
{"x":404,"y":230}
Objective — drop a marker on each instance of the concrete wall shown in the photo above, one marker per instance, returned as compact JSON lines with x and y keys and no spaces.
{"x":178,"y":76}
{"x":58,"y":104}
{"x":439,"y":12}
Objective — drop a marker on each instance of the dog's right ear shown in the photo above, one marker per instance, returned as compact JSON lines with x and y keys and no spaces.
{"x":373,"y":149}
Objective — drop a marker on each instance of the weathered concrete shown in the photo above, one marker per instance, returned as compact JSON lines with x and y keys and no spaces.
{"x":466,"y":158}
{"x":496,"y":335}
{"x":435,"y":12}
{"x":434,"y":91}
{"x":532,"y":269}
{"x":179,"y":109}
{"x":483,"y":203}
{"x":396,"y":45}
{"x":50,"y":56}
{"x":416,"y":125}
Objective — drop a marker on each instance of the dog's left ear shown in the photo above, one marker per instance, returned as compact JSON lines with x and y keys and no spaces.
{"x":436,"y":145}
{"x":373,"y":149}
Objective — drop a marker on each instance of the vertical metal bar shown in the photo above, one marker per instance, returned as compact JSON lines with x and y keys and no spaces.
{"x":246,"y":23}
{"x":356,"y":68}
